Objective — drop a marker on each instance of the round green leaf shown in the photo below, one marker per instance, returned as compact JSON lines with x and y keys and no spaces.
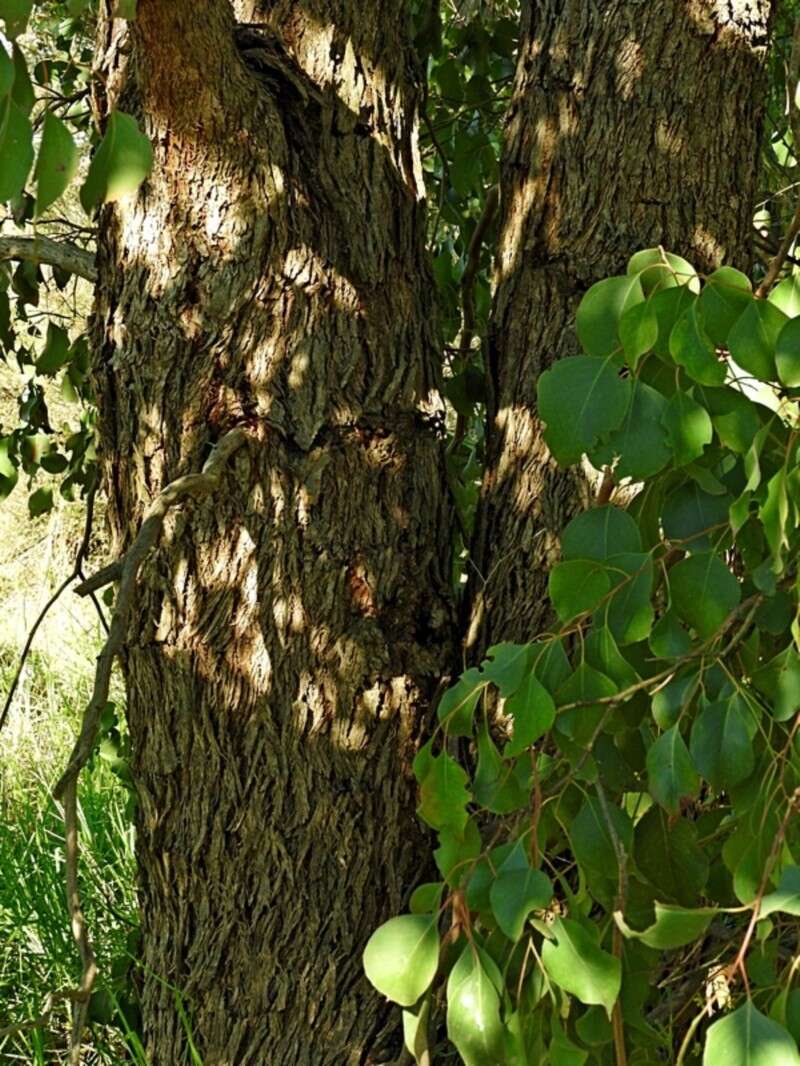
{"x":746,"y":1037}
{"x":600,"y":311}
{"x":688,"y":427}
{"x":658,"y":270}
{"x":577,"y":586}
{"x":753,"y":338}
{"x":580,"y":398}
{"x":725,"y":295}
{"x":703,"y":592}
{"x":600,"y":533}
{"x":639,"y":445}
{"x":786,"y":296}
{"x":402,"y":956}
{"x":692,"y":348}
{"x":575,"y":962}
{"x":515,"y":894}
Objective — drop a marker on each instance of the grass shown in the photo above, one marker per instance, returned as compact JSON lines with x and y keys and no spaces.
{"x":37,"y":953}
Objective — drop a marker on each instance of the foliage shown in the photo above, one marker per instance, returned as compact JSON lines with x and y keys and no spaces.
{"x":45,"y":131}
{"x":627,"y":781}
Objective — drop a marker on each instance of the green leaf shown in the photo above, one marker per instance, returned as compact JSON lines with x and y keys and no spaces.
{"x":415,"y":1031}
{"x":640,"y":442}
{"x":426,"y":898}
{"x":6,"y":72}
{"x":786,"y":897}
{"x":600,"y":533}
{"x":580,"y":399}
{"x":669,"y":640}
{"x":585,"y":686}
{"x":456,"y":855}
{"x":575,"y":963}
{"x":533,"y":711}
{"x":675,"y":927}
{"x":721,"y":746}
{"x":671,"y":775}
{"x":457,"y":706}
{"x":56,"y":350}
{"x":40,"y":502}
{"x":775,"y":518}
{"x":515,"y":894}
{"x":746,"y":1037}
{"x":599,"y":313}
{"x":658,"y":270}
{"x":57,"y":163}
{"x":125,"y":9}
{"x":703,"y":592}
{"x":8,"y":468}
{"x":591,"y":840}
{"x":444,"y":795}
{"x":692,"y":348}
{"x":506,"y":665}
{"x":473,"y":1012}
{"x":688,"y":427}
{"x":786,"y":296}
{"x":667,"y":853}
{"x":787,"y":354}
{"x":726,"y":293}
{"x":402,"y":956}
{"x":22,"y":93}
{"x":121,"y":163}
{"x":752,"y":340}
{"x":638,"y":332}
{"x":734,"y":417}
{"x":494,"y":784}
{"x":779,"y":681}
{"x":577,"y":586}
{"x":16,"y":149}
{"x":628,"y":613}
{"x":15,"y":14}
{"x":669,"y":702}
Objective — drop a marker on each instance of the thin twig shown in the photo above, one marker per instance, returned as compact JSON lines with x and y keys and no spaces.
{"x":191,"y":485}
{"x":775,"y":267}
{"x":83,"y":551}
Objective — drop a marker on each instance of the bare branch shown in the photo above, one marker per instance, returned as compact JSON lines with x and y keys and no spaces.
{"x":52,"y":253}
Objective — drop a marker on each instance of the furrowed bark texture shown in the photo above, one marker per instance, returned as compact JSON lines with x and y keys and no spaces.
{"x":289,"y":632}
{"x":632,"y":125}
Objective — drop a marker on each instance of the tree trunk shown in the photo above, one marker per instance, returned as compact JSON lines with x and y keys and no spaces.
{"x":632,"y":125}
{"x":289,"y":632}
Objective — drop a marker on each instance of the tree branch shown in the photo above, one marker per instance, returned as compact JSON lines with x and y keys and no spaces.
{"x":53,"y":253}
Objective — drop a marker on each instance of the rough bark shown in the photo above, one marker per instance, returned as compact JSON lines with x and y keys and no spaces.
{"x":287,"y":635}
{"x":632,"y":125}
